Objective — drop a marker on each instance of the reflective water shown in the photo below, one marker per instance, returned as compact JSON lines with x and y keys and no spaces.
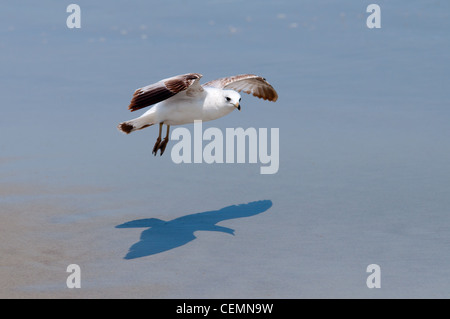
{"x":364,"y":149}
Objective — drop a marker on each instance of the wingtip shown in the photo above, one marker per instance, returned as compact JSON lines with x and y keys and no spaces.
{"x":275,"y":98}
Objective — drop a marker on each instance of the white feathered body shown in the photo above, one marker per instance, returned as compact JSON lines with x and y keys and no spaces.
{"x":183,"y":109}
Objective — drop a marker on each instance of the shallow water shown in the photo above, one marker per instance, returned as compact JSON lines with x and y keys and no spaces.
{"x":364,"y":150}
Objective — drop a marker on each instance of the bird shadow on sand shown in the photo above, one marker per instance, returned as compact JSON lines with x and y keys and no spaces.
{"x":165,"y":235}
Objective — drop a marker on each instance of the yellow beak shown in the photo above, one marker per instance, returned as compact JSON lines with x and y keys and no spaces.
{"x":237,"y":106}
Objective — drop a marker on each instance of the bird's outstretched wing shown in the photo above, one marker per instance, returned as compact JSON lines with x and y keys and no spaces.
{"x":164,"y":89}
{"x":248,"y":83}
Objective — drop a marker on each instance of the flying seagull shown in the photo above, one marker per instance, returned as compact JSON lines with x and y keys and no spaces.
{"x":181,"y":99}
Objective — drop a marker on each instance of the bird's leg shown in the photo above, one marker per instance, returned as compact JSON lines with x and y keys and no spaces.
{"x":158,"y":140}
{"x":163,"y":144}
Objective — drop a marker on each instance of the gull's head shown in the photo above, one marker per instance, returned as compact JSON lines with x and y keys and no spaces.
{"x":232,"y":98}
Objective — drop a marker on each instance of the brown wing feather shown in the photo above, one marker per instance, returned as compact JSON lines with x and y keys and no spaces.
{"x":162,"y":90}
{"x":248,"y":83}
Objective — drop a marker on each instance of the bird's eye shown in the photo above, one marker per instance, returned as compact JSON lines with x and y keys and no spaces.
{"x":228,"y":99}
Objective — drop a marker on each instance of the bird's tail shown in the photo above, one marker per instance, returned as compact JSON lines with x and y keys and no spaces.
{"x":136,"y":124}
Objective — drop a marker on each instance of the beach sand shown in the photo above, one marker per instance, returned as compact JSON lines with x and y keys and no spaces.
{"x":364,"y":152}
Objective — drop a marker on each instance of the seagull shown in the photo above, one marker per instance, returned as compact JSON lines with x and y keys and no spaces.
{"x":181,"y":100}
